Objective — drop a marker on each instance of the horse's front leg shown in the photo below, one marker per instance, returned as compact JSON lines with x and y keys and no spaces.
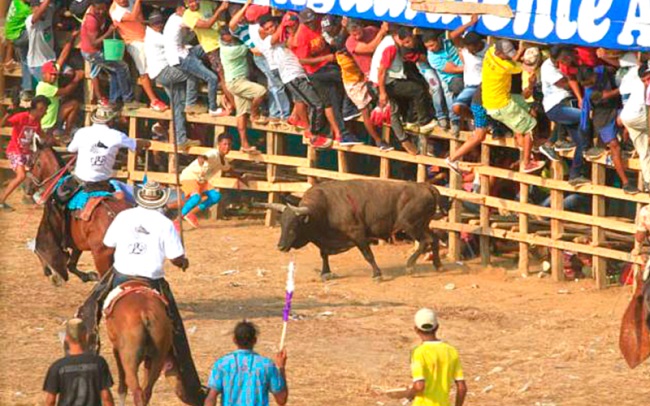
{"x":73,"y":259}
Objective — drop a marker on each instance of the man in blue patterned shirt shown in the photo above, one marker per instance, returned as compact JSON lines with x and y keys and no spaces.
{"x":245,"y":378}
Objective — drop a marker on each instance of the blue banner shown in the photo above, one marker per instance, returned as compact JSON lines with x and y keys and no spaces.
{"x":614,"y":24}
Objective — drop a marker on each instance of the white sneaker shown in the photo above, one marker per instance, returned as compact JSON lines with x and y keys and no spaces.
{"x":428,"y":128}
{"x":453,"y":165}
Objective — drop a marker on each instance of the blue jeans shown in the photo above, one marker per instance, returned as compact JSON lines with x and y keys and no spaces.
{"x":570,"y":118}
{"x":181,"y":89}
{"x":21,"y":45}
{"x":193,"y":66}
{"x":435,"y":89}
{"x":279,"y":105}
{"x":465,"y":96}
{"x":120,"y":86}
{"x":573,"y":202}
{"x":449,"y":102}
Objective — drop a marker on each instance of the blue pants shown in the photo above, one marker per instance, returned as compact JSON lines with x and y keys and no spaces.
{"x":570,"y":118}
{"x":182,"y":91}
{"x":212,"y":197}
{"x":279,"y":105}
{"x":21,"y":47}
{"x":435,"y":89}
{"x":120,"y":86}
{"x":193,"y":65}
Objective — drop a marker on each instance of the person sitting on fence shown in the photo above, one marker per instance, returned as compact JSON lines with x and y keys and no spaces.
{"x":318,"y":61}
{"x":601,"y":102}
{"x":40,"y":36}
{"x":295,"y":79}
{"x":387,"y":73}
{"x":244,"y":377}
{"x":60,"y":117}
{"x":635,"y":118}
{"x":25,"y":127}
{"x":16,"y":34}
{"x":201,"y":16}
{"x":443,"y":56}
{"x":357,"y":89}
{"x":179,"y":86}
{"x":557,"y":105}
{"x":248,"y":95}
{"x":499,"y":65}
{"x":95,"y":28}
{"x":198,"y":178}
{"x":129,"y":22}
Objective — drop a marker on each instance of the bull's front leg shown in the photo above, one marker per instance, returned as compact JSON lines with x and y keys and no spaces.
{"x":325,"y":273}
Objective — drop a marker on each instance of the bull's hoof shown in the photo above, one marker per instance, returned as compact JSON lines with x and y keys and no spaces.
{"x":56,"y":279}
{"x":377,"y":279}
{"x":328,"y":276}
{"x":410,"y":271}
{"x":438,"y":267}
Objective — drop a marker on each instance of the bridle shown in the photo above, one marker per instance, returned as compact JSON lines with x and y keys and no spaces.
{"x":52,"y":179}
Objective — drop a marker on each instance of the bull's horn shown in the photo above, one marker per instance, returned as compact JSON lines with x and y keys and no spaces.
{"x":273,"y":206}
{"x":300,"y":211}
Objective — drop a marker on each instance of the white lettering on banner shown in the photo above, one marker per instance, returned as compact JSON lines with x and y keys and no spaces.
{"x":591,"y":11}
{"x":361,"y":5}
{"x":543,"y":25}
{"x":638,"y":20}
{"x":494,"y":23}
{"x":565,"y":28}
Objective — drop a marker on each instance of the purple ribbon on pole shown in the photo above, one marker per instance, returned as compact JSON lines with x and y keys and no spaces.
{"x":287,"y":306}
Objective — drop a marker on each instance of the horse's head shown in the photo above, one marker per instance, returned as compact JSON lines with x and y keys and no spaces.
{"x":45,"y":163}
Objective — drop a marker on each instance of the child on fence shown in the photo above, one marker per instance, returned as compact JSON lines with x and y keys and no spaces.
{"x":357,"y":89}
{"x":25,"y":126}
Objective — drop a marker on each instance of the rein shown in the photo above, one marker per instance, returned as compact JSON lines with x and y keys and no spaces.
{"x":54,"y":178}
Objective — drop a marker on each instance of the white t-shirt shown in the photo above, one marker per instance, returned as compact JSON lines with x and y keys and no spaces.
{"x":41,"y":39}
{"x":635,"y":107}
{"x":154,"y":51}
{"x":553,"y":95}
{"x":396,"y":69}
{"x":286,"y":61}
{"x":96,"y":147}
{"x":143,"y":239}
{"x":212,"y":168}
{"x":254,"y":32}
{"x":173,"y":36}
{"x":473,"y":66}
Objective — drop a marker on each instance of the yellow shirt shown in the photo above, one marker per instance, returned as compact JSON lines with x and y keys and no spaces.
{"x":208,"y":37}
{"x":436,"y":363}
{"x":211,"y":169}
{"x":497,"y":80}
{"x":350,"y":72}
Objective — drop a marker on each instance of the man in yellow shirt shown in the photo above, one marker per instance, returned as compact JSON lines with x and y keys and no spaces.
{"x":435,"y":365}
{"x":201,"y":16}
{"x":499,"y":65}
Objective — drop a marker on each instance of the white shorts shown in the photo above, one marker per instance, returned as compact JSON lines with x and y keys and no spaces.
{"x":136,"y":50}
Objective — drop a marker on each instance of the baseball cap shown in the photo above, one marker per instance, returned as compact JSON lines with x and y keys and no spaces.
{"x":49,"y":67}
{"x":307,"y":15}
{"x":426,"y":320}
{"x":644,"y":69}
{"x":506,"y":47}
{"x":254,"y":12}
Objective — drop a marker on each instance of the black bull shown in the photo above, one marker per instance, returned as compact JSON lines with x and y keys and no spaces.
{"x":338,"y":215}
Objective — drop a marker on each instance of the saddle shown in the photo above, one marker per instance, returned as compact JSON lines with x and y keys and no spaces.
{"x":86,"y":212}
{"x":129,"y":288}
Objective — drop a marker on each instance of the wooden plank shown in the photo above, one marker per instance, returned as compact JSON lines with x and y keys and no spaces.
{"x":524,"y":251}
{"x":455,"y":210}
{"x":484,"y":211}
{"x":270,"y":218}
{"x":452,"y":7}
{"x":557,"y":203}
{"x":599,"y":264}
{"x":132,"y":157}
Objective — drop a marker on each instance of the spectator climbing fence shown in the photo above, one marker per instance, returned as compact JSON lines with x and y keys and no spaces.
{"x":606,"y":239}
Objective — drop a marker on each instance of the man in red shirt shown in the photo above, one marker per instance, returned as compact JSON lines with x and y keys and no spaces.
{"x":363,"y":41}
{"x":95,"y":28}
{"x":319,"y":63}
{"x":19,"y":150}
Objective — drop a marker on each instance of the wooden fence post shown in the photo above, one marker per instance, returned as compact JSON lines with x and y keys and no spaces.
{"x":524,"y":248}
{"x":484,"y":211}
{"x":132,"y":157}
{"x":599,"y":264}
{"x":455,"y":183}
{"x":272,"y":148}
{"x":557,"y":228}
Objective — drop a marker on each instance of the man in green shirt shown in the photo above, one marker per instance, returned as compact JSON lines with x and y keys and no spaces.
{"x":59,"y":114}
{"x":15,"y":32}
{"x":248,"y":95}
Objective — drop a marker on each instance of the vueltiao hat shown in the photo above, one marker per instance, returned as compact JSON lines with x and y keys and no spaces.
{"x":152,"y":195}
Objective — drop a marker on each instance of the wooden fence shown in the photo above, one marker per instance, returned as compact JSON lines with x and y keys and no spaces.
{"x":607,"y":238}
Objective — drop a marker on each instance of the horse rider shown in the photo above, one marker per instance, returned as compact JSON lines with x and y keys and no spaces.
{"x":143,"y":238}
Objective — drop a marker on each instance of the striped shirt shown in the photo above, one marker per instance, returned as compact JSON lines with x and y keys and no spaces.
{"x":245,"y":378}
{"x":243,"y":33}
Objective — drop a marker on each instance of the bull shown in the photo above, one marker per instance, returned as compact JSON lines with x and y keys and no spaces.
{"x":339,"y":215}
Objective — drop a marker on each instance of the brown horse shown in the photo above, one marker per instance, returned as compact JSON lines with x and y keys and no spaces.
{"x":141,"y":333}
{"x":84,"y":235}
{"x":634,"y":339}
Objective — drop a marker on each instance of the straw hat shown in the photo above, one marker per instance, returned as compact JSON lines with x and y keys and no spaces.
{"x":102,"y":115}
{"x":152,"y":195}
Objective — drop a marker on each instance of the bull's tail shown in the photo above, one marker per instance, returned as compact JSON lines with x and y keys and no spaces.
{"x":439,"y":211}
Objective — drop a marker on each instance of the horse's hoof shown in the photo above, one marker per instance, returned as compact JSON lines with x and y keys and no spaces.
{"x":328,"y":276}
{"x":92,"y":277}
{"x":377,"y":279}
{"x":56,"y":279}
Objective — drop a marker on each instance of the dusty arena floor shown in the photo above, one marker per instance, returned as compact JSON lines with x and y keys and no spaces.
{"x":521,"y":342}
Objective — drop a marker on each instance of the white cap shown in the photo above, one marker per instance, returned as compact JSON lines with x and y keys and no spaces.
{"x":426,"y":320}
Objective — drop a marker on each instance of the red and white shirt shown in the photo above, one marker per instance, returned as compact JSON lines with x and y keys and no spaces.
{"x":24,"y":127}
{"x":387,"y":56}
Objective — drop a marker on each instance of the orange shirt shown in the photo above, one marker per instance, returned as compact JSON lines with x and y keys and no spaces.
{"x":130,"y":27}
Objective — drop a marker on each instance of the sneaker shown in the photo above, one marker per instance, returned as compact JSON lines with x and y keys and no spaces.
{"x":443,"y":124}
{"x":300,"y":125}
{"x":533,"y":166}
{"x":196,"y":109}
{"x":549,"y":152}
{"x":6,"y":207}
{"x":564,"y":145}
{"x":383,"y":147}
{"x":192,"y":219}
{"x":455,"y":130}
{"x":630,"y":189}
{"x":189,"y":143}
{"x":579,"y":181}
{"x":429,"y":127}
{"x":413,"y":127}
{"x":219,"y":112}
{"x":349,"y":140}
{"x":594,"y":153}
{"x":320,"y":142}
{"x":453,"y":165}
{"x":158,"y":105}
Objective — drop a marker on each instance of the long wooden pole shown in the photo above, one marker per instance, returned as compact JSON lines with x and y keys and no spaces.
{"x":178,"y":182}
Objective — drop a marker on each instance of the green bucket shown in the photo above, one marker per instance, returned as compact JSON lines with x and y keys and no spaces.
{"x":113,"y":49}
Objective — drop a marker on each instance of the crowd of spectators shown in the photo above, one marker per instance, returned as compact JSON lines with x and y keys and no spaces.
{"x":319,"y":73}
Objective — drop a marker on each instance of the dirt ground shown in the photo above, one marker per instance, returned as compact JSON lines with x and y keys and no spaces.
{"x":521,"y":342}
